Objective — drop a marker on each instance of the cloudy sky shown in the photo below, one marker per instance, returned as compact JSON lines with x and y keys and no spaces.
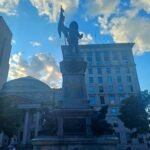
{"x":36,"y":45}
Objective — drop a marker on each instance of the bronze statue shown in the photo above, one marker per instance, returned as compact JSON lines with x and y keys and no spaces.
{"x":71,"y":34}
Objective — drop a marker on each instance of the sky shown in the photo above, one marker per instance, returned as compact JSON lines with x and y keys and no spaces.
{"x":36,"y":45}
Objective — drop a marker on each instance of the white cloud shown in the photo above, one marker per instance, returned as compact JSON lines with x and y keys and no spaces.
{"x":9,"y":6}
{"x":51,"y":8}
{"x":129,"y":29}
{"x":35,"y":44}
{"x":51,"y":38}
{"x":127,"y":26}
{"x":41,"y":66}
{"x":87,"y":39}
{"x":141,"y":4}
{"x":101,"y":7}
{"x":13,"y":41}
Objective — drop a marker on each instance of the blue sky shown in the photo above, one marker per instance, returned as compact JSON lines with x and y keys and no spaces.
{"x":36,"y":45}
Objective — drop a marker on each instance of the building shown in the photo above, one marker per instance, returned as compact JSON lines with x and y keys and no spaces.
{"x":111,"y":73}
{"x":5,"y":49}
{"x":31,"y":96}
{"x":110,"y":78}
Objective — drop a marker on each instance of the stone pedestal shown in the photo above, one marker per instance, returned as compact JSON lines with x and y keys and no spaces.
{"x":75,"y":143}
{"x":74,"y":115}
{"x":73,"y":69}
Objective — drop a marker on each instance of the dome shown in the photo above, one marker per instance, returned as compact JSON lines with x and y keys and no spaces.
{"x":25,"y":83}
{"x":28,"y":88}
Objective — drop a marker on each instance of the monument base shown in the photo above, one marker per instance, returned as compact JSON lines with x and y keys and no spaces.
{"x":75,"y":143}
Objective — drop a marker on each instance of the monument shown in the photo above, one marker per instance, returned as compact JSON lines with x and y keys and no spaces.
{"x":72,"y":119}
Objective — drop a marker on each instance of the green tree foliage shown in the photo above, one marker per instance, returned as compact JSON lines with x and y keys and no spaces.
{"x":134,"y":113}
{"x":10,"y":116}
{"x":99,"y":124}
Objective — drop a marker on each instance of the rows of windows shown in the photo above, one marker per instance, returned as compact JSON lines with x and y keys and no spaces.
{"x":111,"y":99}
{"x":102,"y":101}
{"x":107,"y":58}
{"x":109,"y":79}
{"x":100,"y":71}
{"x":115,"y":55}
{"x":110,"y":89}
{"x":106,"y":63}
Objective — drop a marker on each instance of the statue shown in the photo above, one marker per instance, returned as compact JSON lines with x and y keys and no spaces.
{"x":71,"y":34}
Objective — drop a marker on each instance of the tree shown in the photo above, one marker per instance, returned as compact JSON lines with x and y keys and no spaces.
{"x":99,"y":124}
{"x":134,"y":113}
{"x":10,"y":116}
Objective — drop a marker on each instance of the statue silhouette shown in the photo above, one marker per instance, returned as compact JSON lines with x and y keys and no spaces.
{"x":71,"y":34}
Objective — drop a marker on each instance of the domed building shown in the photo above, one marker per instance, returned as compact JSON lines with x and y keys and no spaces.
{"x":28,"y":88}
{"x":31,"y":95}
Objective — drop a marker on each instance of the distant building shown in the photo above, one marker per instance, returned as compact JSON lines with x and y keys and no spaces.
{"x":111,"y":73}
{"x":5,"y":49}
{"x":110,"y":78}
{"x":31,"y":96}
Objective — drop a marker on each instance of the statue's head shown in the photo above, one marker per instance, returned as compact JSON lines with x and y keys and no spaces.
{"x":73,"y":25}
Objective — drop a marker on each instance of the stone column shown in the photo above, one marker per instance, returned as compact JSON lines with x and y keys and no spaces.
{"x":73,"y":69}
{"x":25,"y":129}
{"x":37,"y":124}
{"x":60,"y":127}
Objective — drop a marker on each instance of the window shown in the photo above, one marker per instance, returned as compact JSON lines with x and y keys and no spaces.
{"x":98,"y":63}
{"x":99,"y":71}
{"x":107,"y":63}
{"x":131,"y":88}
{"x":119,"y":79}
{"x":89,"y":59}
{"x":125,"y":62}
{"x":124,"y":55}
{"x":111,"y":99}
{"x":106,"y":58}
{"x":120,"y":88}
{"x":89,"y":53}
{"x":127,"y":70}
{"x":121,"y":97}
{"x":109,"y":80}
{"x":97,"y":53}
{"x":110,"y":88}
{"x":102,"y":99}
{"x":91,"y":80}
{"x":92,"y":99}
{"x":115,"y":55}
{"x":101,"y":89}
{"x":128,"y":78}
{"x":108,"y":71}
{"x":90,"y":71}
{"x":114,"y":111}
{"x":98,"y":58}
{"x":117,"y":69}
{"x":91,"y":90}
{"x":100,"y":80}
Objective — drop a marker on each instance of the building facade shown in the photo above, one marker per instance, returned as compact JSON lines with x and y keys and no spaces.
{"x":5,"y":49}
{"x":111,"y":77}
{"x":111,"y":73}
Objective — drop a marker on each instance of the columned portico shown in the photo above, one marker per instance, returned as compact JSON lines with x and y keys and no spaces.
{"x":26,"y":127}
{"x":37,"y":123}
{"x":30,"y":110}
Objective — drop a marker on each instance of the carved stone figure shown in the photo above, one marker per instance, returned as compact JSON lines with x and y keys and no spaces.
{"x":71,"y":34}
